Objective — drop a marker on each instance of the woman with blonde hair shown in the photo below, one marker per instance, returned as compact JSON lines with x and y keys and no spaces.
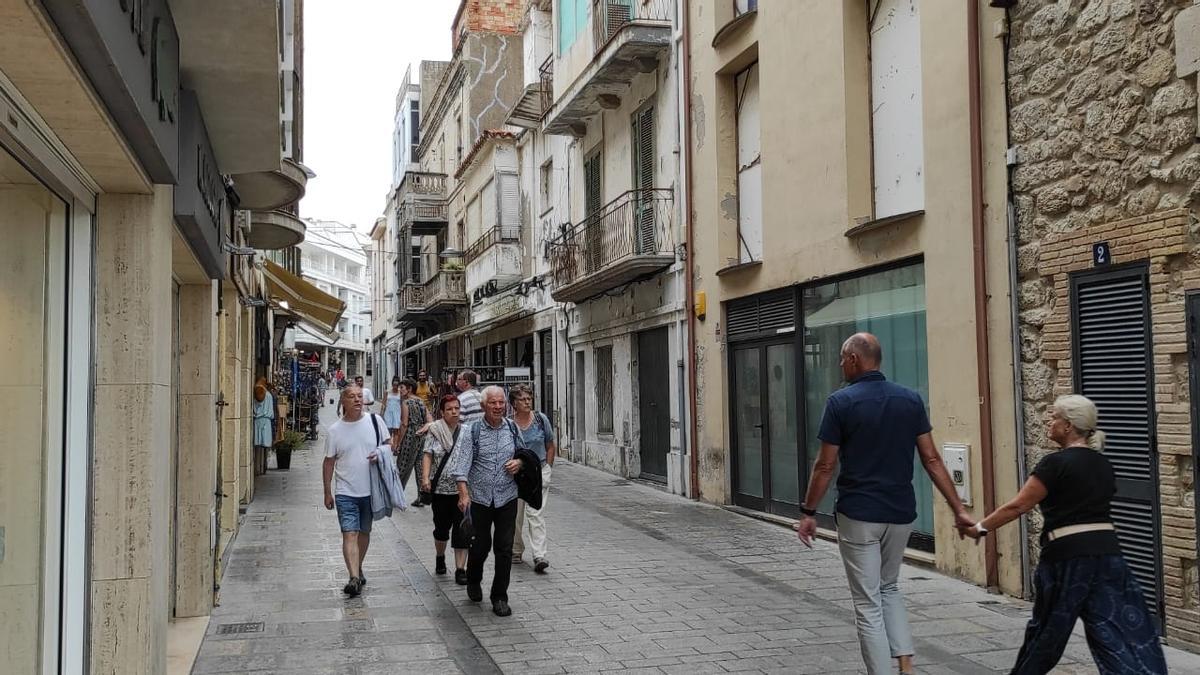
{"x":1082,"y":573}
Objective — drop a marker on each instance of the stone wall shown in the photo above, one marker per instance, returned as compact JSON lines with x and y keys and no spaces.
{"x":1105,"y":133}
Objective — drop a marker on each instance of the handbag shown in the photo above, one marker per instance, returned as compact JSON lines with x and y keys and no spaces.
{"x":427,"y":497}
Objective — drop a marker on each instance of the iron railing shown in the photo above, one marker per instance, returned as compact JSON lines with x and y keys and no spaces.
{"x":546,"y":75}
{"x":637,"y":223}
{"x":610,"y":16}
{"x":423,"y":183}
{"x":490,"y":238}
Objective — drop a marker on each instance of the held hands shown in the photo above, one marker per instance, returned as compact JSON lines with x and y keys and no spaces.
{"x":512,"y":466}
{"x":806,"y":529}
{"x":965,"y":524}
{"x":425,"y":486}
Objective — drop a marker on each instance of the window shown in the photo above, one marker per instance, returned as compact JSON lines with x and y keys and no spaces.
{"x":546,"y":176}
{"x":547,"y":371}
{"x":414,"y":270}
{"x":500,"y":354}
{"x":898,"y":156}
{"x":741,"y":7}
{"x":572,"y":17}
{"x":643,"y":179}
{"x":749,"y":166}
{"x":414,"y":116}
{"x":604,"y":390}
{"x":481,"y":356}
{"x":891,"y":305}
{"x":509,"y":195}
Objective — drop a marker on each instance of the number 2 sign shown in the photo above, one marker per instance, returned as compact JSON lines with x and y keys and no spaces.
{"x":1101,"y":255}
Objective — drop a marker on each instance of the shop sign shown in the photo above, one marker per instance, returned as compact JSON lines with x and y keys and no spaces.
{"x":202,"y":207}
{"x":130,"y":52}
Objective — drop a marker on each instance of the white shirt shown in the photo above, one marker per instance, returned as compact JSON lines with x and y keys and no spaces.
{"x":368,"y":397}
{"x":352,"y":443}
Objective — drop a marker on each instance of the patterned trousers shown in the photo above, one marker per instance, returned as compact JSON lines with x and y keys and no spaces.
{"x":1104,"y":593}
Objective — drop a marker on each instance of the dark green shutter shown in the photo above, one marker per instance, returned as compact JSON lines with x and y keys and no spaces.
{"x":643,"y":180}
{"x":594,"y":227}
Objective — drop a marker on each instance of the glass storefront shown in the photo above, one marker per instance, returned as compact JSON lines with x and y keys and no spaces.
{"x":769,"y":370}
{"x":33,"y":226}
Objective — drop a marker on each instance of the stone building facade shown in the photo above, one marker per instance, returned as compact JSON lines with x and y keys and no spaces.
{"x":1103,"y":122}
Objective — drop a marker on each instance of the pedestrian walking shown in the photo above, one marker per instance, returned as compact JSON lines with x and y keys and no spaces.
{"x":368,"y":395}
{"x":871,"y":427}
{"x":1081,"y":573}
{"x":442,"y":490}
{"x":264,"y":423}
{"x":538,"y":435}
{"x":393,"y":401}
{"x":427,"y":392}
{"x":485,"y":468}
{"x":352,"y":446}
{"x":413,"y":418}
{"x":469,"y":397}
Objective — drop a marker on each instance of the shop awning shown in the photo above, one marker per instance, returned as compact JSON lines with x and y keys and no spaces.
{"x":316,"y":308}
{"x":480,"y":328}
{"x":431,"y":342}
{"x":877,"y":305}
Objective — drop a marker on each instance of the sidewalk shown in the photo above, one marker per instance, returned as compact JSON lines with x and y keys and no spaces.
{"x":640,"y":581}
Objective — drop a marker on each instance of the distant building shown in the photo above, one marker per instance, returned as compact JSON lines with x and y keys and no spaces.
{"x":334,"y":260}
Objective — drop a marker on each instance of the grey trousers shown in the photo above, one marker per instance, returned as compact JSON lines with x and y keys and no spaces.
{"x":872,"y":554}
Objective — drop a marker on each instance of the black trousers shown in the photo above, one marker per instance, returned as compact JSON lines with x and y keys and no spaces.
{"x":447,"y":520}
{"x":504,"y":520}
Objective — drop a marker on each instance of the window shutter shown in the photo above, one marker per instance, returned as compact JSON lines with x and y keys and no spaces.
{"x":643,"y":180}
{"x":761,"y":315}
{"x":594,"y":238}
{"x":489,"y":201}
{"x":510,"y":206}
{"x":1115,"y":371}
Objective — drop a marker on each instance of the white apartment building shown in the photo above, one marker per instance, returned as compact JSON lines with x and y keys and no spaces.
{"x":333,"y":259}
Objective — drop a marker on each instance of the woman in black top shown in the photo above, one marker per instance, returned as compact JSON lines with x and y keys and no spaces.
{"x":1081,"y":573}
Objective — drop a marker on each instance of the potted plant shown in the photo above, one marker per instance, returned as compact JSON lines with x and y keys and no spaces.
{"x":283,"y":449}
{"x":452,"y":266}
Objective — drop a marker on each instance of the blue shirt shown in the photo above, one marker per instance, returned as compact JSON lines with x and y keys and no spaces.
{"x":875,"y":424}
{"x":539,"y":433}
{"x":481,"y":466}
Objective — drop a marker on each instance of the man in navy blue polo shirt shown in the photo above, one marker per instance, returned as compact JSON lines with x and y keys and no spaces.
{"x":871,"y":427}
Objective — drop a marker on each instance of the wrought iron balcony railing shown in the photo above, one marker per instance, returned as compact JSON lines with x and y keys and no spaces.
{"x":490,"y":238}
{"x":610,"y":16}
{"x":546,"y":75}
{"x":635,"y":225}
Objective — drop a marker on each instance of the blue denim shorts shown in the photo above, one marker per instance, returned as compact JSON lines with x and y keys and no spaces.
{"x":354,"y":513}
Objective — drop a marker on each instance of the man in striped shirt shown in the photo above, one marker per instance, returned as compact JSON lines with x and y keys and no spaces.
{"x":470,"y":401}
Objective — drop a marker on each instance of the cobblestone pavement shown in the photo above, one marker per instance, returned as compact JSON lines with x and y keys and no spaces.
{"x":640,"y":582}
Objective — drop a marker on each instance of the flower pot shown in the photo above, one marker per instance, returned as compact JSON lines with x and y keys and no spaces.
{"x":283,"y":459}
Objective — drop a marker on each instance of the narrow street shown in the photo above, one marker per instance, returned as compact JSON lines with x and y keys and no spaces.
{"x":641,"y":582}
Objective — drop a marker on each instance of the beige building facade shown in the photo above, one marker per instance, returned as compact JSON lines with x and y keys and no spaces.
{"x":1105,"y":184}
{"x":129,"y":326}
{"x":846,"y":163}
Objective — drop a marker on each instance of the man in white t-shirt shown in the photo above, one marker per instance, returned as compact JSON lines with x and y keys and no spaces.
{"x":350,"y":452}
{"x":367,"y":394}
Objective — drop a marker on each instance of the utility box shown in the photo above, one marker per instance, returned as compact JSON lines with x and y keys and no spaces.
{"x":957,"y":458}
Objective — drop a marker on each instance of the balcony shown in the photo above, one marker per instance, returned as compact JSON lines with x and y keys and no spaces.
{"x":421,"y":203}
{"x":628,"y":37}
{"x":273,"y":230}
{"x":626,"y":240}
{"x":439,"y":295}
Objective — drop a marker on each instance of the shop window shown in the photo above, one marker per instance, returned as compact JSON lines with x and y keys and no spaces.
{"x":891,"y":305}
{"x":604,"y":390}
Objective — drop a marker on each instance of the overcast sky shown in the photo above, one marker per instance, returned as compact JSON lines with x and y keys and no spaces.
{"x":355,"y":55}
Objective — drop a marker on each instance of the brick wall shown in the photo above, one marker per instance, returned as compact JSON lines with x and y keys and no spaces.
{"x":1166,"y":240}
{"x":494,"y":16}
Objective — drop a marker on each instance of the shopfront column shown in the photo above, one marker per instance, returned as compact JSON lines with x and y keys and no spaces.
{"x":233,"y":413}
{"x":197,"y":460}
{"x":131,"y":433}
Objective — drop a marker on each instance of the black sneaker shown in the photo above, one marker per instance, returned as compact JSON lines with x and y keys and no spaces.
{"x":475,"y":593}
{"x":419,"y":504}
{"x":540,"y":565}
{"x":501,"y":608}
{"x":440,"y":565}
{"x":354,"y":587}
{"x":460,"y":577}
{"x":362,"y":578}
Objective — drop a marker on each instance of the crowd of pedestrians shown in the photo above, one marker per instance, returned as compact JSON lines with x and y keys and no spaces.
{"x":484,"y":461}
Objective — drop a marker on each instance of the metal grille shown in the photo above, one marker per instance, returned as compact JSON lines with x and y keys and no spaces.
{"x":1113,"y":353}
{"x":238,"y":628}
{"x":761,"y":315}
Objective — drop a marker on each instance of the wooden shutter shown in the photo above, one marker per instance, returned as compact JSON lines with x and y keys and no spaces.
{"x":593,"y":238}
{"x":510,"y":206}
{"x":643,"y":180}
{"x":1115,"y":370}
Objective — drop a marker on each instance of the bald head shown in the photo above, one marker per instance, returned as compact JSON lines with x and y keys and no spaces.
{"x":861,"y":353}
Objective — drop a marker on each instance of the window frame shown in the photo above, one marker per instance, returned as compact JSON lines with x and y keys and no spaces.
{"x":605,"y":413}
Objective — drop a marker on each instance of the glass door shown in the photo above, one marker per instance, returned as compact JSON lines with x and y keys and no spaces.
{"x":33,"y":294}
{"x":766,"y":438}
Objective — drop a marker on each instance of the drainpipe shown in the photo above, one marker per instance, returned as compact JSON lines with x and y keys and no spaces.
{"x":690,"y":253}
{"x":979,"y":259}
{"x":1014,"y":278}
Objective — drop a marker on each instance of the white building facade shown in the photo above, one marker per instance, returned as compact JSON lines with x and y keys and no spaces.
{"x":334,"y":259}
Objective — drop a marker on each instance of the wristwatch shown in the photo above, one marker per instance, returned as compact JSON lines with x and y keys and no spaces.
{"x":811,"y":513}
{"x":981,"y":529}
